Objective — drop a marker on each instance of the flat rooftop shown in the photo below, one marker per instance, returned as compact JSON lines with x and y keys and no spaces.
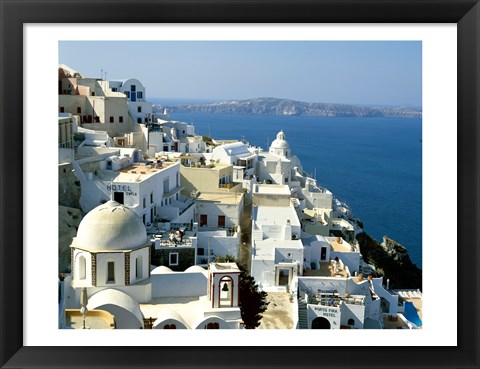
{"x":231,"y":267}
{"x":275,"y":215}
{"x":230,"y":198}
{"x":325,"y":271}
{"x":342,"y":223}
{"x":207,"y":166}
{"x":342,"y":246}
{"x":272,"y":189}
{"x":138,"y":172}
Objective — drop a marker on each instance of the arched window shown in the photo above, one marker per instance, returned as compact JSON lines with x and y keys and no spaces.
{"x":170,"y":326}
{"x":110,"y":272}
{"x":82,"y":267}
{"x":351,"y":322}
{"x":212,"y":326}
{"x":138,"y":267}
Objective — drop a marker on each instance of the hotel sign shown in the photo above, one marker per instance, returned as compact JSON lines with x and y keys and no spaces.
{"x":326,"y":311}
{"x":121,"y":188}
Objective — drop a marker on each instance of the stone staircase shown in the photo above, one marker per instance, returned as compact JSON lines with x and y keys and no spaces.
{"x":302,"y":314}
{"x":257,"y":234}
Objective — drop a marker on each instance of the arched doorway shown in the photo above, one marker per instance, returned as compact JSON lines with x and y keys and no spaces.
{"x":320,"y":323}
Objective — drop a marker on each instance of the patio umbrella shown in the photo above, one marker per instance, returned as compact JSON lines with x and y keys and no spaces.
{"x":83,"y":303}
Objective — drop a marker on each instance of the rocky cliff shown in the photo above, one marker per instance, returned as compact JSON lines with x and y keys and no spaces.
{"x":69,"y":220}
{"x":391,"y":261}
{"x":274,"y":106}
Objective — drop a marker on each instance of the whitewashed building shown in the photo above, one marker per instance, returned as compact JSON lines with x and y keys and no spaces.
{"x":139,"y":108}
{"x":96,"y":107}
{"x":277,"y":251}
{"x":218,"y":215}
{"x":151,"y":189}
{"x":344,"y":303}
{"x":278,"y":165}
{"x":238,"y":154}
{"x":174,"y":136}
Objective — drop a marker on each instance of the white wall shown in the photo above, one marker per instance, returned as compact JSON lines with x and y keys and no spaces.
{"x":322,"y":200}
{"x":143,"y":254}
{"x":123,"y":318}
{"x":76,"y":268}
{"x":263,"y":271}
{"x":214,"y":209}
{"x":155,"y":143}
{"x":186,"y":217}
{"x":282,"y":255}
{"x":331,"y":313}
{"x":313,"y":284}
{"x":220,"y":244}
{"x":355,"y":312}
{"x":279,"y":232}
{"x":350,"y":259}
{"x":179,"y":284}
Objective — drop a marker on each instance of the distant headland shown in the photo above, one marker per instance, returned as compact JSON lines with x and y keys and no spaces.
{"x":276,"y":106}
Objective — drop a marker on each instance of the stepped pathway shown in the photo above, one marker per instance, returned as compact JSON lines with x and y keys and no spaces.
{"x":302,"y":314}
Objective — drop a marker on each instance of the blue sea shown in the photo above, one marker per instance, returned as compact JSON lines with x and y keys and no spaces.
{"x":372,"y":164}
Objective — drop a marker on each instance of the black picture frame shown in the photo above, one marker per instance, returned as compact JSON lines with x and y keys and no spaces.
{"x":15,"y":13}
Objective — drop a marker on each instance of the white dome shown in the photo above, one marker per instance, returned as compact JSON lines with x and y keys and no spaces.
{"x":111,"y":226}
{"x":162,"y":269}
{"x":280,"y":142}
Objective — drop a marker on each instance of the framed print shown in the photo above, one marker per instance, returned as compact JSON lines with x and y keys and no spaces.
{"x":450,"y":213}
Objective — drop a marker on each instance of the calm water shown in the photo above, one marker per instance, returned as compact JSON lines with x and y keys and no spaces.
{"x":373,"y":164}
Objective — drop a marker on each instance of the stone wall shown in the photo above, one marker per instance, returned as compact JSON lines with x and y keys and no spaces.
{"x":186,"y":257}
{"x":68,"y":222}
{"x":68,"y":187}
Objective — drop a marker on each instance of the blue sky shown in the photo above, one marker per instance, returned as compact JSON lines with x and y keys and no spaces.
{"x":349,"y":72}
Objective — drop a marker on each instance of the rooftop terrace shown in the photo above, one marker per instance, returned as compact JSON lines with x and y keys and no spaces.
{"x":144,"y":169}
{"x":326,"y":270}
{"x":95,"y":319}
{"x":339,"y":245}
{"x":230,"y":198}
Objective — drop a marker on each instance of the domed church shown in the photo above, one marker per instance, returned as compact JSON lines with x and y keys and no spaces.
{"x":280,"y":146}
{"x":110,"y":257}
{"x":111,"y":249}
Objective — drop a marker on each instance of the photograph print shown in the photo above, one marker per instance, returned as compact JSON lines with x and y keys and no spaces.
{"x":240,"y":185}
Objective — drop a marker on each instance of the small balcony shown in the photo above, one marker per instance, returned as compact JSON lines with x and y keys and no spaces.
{"x":173,"y":239}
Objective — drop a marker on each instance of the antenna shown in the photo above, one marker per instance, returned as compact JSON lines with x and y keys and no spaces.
{"x":101,"y":73}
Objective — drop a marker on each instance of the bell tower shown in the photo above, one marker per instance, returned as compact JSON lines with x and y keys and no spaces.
{"x":224,"y":283}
